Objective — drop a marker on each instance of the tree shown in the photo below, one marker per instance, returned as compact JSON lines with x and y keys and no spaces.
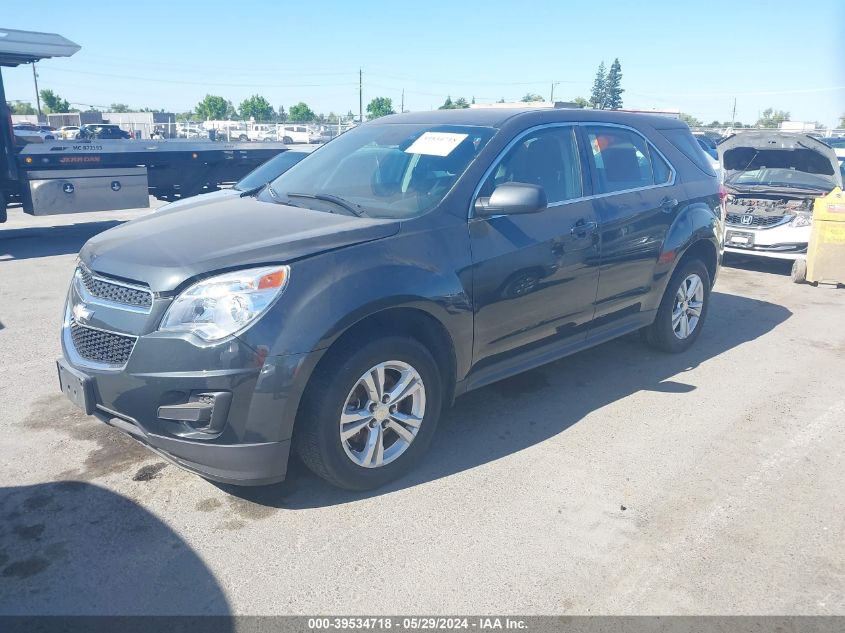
{"x":458,"y":104}
{"x":613,"y":86}
{"x":502,"y":100}
{"x":842,"y":121}
{"x":119,"y":107}
{"x":21,"y":107}
{"x":301,"y":113}
{"x":281,"y":115}
{"x":212,"y":108}
{"x":380,"y":106}
{"x":531,"y":97}
{"x":689,"y":119}
{"x":53,"y":102}
{"x":581,"y":102}
{"x":599,"y":92}
{"x":258,"y":108}
{"x":772,"y":118}
{"x":714,"y":123}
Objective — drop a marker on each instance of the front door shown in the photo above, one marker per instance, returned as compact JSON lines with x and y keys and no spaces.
{"x":535,"y":275}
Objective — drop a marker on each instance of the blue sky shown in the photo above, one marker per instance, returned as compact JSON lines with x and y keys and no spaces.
{"x":695,"y":56}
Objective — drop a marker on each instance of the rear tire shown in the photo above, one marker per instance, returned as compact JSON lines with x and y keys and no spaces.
{"x":799,"y":271}
{"x":3,"y":214}
{"x":339,"y":388}
{"x":287,"y":140}
{"x":683,"y":309}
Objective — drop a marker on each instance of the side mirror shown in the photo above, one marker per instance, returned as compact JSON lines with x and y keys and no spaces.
{"x":512,"y":198}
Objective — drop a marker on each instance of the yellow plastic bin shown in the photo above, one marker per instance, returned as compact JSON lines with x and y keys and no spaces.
{"x":826,"y":252}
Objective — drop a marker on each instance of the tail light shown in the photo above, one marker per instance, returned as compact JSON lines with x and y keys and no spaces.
{"x":723,"y":199}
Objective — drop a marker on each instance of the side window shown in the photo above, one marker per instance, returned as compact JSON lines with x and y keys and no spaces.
{"x":684,"y":141}
{"x":547,"y":157}
{"x":620,"y":159}
{"x":662,"y":172}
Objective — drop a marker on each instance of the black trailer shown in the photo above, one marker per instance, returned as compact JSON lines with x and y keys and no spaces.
{"x":78,"y":176}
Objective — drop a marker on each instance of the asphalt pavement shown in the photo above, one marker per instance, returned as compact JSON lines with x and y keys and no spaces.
{"x":617,"y":481}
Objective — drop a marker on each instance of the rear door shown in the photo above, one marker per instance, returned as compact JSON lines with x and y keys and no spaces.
{"x":535,"y":275}
{"x":636,"y":199}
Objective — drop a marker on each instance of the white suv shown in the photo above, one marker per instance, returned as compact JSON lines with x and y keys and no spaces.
{"x":772,"y":180}
{"x":294,"y":134}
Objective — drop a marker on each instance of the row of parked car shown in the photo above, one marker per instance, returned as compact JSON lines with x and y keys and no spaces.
{"x":32,"y":133}
{"x":261,"y":132}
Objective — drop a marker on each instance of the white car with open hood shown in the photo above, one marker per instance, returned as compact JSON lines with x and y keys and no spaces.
{"x":772,"y":179}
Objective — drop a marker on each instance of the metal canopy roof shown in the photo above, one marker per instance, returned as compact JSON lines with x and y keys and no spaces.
{"x":23,"y":47}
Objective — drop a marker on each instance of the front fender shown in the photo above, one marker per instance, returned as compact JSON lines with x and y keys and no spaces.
{"x":330,"y":293}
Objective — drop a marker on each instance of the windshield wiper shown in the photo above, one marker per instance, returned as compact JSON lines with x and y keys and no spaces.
{"x":354,"y":209}
{"x":252,"y":191}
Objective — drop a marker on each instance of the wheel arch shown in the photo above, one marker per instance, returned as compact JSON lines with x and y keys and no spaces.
{"x":411,"y":320}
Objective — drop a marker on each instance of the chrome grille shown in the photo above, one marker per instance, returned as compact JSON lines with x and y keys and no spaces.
{"x":115,"y":291}
{"x":100,"y":346}
{"x":764,"y":221}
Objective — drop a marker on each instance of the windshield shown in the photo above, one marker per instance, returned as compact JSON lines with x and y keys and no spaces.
{"x":386,"y":170}
{"x":777,"y":177}
{"x":264,"y":173}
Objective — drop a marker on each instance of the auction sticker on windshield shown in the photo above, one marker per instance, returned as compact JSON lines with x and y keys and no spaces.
{"x":436,"y":143}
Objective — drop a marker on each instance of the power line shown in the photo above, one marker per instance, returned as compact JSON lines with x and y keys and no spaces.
{"x":198,"y":83}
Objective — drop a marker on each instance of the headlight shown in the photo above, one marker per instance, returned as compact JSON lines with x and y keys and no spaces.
{"x":802,"y":219}
{"x":223,"y":305}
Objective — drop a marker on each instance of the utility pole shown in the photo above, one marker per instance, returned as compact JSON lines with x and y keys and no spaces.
{"x":552,"y":96}
{"x":733,"y":114}
{"x":37,"y":96}
{"x":360,"y":96}
{"x":402,"y":108}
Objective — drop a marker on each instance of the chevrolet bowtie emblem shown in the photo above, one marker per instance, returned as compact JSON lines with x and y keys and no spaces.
{"x":81,"y":314}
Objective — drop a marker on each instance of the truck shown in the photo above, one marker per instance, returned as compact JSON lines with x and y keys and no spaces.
{"x":49,"y":177}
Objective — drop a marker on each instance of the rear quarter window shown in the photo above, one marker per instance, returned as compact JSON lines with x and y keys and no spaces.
{"x":685,"y":142}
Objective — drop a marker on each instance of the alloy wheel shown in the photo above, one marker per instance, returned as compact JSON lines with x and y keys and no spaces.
{"x":382,"y":414}
{"x":687,"y":307}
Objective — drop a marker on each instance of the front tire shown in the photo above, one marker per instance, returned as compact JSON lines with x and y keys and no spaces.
{"x":369,"y":412}
{"x":683,"y":309}
{"x":799,"y":271}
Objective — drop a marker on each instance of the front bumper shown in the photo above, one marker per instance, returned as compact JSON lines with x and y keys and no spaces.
{"x":245,"y":440}
{"x":238,"y":464}
{"x":780,"y":242}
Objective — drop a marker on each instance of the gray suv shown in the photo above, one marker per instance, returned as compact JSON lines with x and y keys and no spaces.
{"x":338,"y":309}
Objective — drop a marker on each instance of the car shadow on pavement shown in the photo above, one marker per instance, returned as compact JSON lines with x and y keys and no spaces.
{"x":47,"y":241}
{"x":514,"y":414}
{"x":72,"y":548}
{"x":758,"y":264}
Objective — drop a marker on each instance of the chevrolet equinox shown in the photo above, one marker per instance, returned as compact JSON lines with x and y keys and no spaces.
{"x":336,"y":310}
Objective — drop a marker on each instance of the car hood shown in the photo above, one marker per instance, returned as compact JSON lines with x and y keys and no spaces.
{"x":167,"y":248}
{"x":203,"y":198}
{"x":749,"y":151}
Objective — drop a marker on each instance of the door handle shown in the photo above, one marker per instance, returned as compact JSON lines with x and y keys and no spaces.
{"x":583,"y":228}
{"x":668,"y":204}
